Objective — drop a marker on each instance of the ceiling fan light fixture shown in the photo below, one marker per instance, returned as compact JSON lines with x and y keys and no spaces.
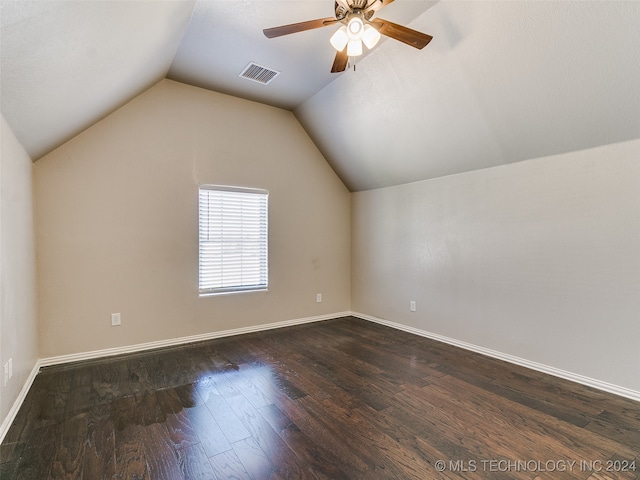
{"x":354,"y":48}
{"x":339,"y":39}
{"x":370,"y":37}
{"x":355,"y":28}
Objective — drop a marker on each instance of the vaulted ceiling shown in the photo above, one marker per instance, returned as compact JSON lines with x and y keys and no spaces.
{"x":501,"y":81}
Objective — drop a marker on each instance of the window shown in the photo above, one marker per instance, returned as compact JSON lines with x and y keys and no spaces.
{"x":233,"y":239}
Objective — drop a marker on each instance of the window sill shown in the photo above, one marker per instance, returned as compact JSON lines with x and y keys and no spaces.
{"x":231,"y":292}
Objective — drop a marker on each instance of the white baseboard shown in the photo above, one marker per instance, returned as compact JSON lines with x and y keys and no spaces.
{"x":598,"y":384}
{"x":108,"y":352}
{"x":139,"y":347}
{"x":6,"y":423}
{"x":574,"y":377}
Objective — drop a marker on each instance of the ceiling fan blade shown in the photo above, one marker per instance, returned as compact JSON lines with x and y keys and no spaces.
{"x":375,"y":5}
{"x":403,"y":34}
{"x":298,"y":27}
{"x":340,"y":62}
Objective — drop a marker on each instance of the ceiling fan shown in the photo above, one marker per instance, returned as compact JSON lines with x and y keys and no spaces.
{"x":358,"y":27}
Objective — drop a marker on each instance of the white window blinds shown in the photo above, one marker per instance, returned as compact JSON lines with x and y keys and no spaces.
{"x":233,"y":239}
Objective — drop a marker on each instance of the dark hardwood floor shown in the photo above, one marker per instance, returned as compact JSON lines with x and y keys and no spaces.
{"x":338,"y":399}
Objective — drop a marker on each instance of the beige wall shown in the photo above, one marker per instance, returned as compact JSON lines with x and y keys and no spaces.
{"x":538,"y":259}
{"x":18,"y":337}
{"x":116,"y":217}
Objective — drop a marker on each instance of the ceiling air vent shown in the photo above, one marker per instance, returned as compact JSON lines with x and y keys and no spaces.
{"x":258,"y":73}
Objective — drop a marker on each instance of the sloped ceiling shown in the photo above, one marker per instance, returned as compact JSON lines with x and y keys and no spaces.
{"x":64,"y":65}
{"x":501,"y":81}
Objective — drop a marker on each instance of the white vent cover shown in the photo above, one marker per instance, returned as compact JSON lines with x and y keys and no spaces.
{"x":258,"y":73}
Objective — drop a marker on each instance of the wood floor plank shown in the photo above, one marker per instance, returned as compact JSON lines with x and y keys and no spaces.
{"x":138,"y":369}
{"x":231,"y":426}
{"x":69,"y":459}
{"x":253,"y":458}
{"x":337,"y":399}
{"x":491,"y":431}
{"x":179,"y":430}
{"x":247,"y":381}
{"x":228,"y":465}
{"x":99,"y":461}
{"x":607,"y":425}
{"x":79,"y":398}
{"x":161,"y":457}
{"x":344,"y":455}
{"x":110,"y":381}
{"x":177,"y":425}
{"x":285,"y":462}
{"x":367,"y":443}
{"x":11,"y":452}
{"x":37,"y":458}
{"x":194,"y":464}
{"x":318,"y":460}
{"x":131,"y":461}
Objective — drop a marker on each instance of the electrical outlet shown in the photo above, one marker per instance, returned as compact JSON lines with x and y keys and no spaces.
{"x":318,"y":297}
{"x":10,"y":368}
{"x":115,"y":319}
{"x":412,"y":305}
{"x":6,"y":373}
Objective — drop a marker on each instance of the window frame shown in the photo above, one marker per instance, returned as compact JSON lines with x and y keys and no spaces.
{"x":259,"y":228}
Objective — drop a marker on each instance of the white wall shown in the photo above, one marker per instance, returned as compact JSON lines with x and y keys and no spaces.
{"x":538,"y":259}
{"x":117,"y":221}
{"x":18,"y":337}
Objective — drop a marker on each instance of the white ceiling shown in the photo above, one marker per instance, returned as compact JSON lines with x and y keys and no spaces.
{"x":225,"y":35}
{"x":501,"y":81}
{"x":66,"y":64}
